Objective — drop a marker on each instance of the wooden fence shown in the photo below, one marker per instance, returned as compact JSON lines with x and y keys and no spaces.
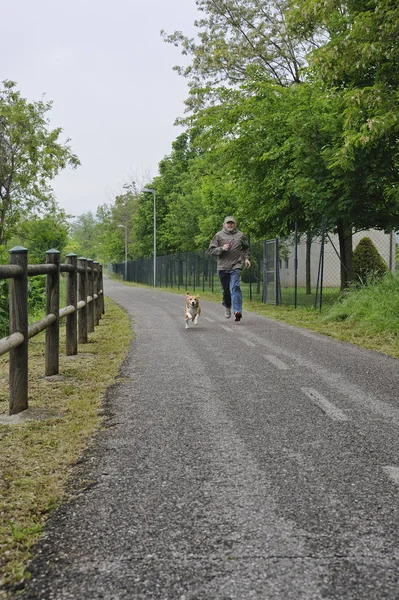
{"x":84,"y":299}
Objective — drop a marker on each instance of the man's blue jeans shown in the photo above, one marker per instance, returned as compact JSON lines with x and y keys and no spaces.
{"x":230,"y":281}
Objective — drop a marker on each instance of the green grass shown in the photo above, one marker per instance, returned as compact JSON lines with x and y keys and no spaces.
{"x":37,"y":456}
{"x":371,"y":310}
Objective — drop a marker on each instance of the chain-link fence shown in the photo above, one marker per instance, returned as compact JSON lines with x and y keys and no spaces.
{"x":302,"y":269}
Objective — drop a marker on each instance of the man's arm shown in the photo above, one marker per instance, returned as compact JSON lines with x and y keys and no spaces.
{"x":246,"y":252}
{"x":214,"y":247}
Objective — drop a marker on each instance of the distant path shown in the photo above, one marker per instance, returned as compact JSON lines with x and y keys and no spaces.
{"x":241,"y":460}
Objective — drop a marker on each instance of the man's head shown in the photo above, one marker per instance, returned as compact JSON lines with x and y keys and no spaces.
{"x":229,"y":223}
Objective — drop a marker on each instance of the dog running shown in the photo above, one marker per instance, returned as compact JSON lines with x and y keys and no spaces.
{"x":192,"y":310}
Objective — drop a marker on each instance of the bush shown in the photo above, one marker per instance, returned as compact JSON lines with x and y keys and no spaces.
{"x":367,"y":262}
{"x":36,"y":293}
{"x":36,"y":300}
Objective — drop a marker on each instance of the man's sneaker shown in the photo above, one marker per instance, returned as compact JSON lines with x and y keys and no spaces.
{"x":227,"y":313}
{"x":238,"y":316}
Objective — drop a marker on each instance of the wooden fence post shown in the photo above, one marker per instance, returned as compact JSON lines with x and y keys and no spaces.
{"x":71,"y":300}
{"x":102,"y":291}
{"x":96,"y":289}
{"x":82,"y":295}
{"x":19,"y":323}
{"x":52,"y":363}
{"x":90,"y":292}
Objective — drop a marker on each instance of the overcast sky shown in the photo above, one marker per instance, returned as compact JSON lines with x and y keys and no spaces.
{"x":110,"y":76}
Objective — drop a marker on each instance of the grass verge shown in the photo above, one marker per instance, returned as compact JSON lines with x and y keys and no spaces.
{"x":37,"y":456}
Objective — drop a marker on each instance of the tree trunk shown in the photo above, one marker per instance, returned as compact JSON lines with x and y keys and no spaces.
{"x":308,"y":263}
{"x":346,"y":253}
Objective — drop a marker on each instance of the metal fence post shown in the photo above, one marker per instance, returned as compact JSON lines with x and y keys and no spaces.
{"x":178,"y":270}
{"x":264,"y":288}
{"x":296,"y":267}
{"x":195,"y":270}
{"x":319,"y":287}
{"x":71,"y":300}
{"x":52,"y":361}
{"x":18,"y":400}
{"x":276,"y":273}
{"x":203,"y":269}
{"x":250,"y":272}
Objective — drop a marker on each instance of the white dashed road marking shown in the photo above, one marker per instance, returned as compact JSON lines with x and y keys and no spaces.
{"x":330,"y":409}
{"x":393,"y":473}
{"x":248,"y":343}
{"x":276,"y":362}
{"x":226,"y":328}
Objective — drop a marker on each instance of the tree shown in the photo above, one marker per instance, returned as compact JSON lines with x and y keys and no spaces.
{"x":84,"y":236}
{"x":40,"y":234}
{"x":177,"y":186}
{"x":234,"y":36}
{"x":31,"y":156}
{"x":359,"y":66}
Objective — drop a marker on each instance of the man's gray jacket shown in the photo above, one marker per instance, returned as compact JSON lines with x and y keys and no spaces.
{"x":237,"y":253}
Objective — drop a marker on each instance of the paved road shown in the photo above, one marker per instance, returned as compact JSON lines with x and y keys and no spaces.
{"x":241,"y":460}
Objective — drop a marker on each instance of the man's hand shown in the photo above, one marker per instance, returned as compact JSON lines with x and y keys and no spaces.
{"x":247,"y":263}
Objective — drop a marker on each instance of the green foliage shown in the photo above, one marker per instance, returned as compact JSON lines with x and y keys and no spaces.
{"x":359,"y":64}
{"x":101,"y":236}
{"x":84,"y":238}
{"x":234,"y":37}
{"x":372,"y":308}
{"x":367,"y":262}
{"x":40,"y":234}
{"x":36,"y":300}
{"x":36,"y":293}
{"x":31,"y":156}
{"x":3,"y":308}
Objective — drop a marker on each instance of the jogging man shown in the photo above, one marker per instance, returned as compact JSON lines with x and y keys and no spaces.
{"x":231,"y":248}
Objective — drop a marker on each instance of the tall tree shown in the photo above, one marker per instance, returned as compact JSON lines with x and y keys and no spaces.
{"x":360,"y":66}
{"x":178,"y":188}
{"x":31,"y":155}
{"x":99,"y":235}
{"x":40,"y":234}
{"x":233,"y":36}
{"x":84,"y":236}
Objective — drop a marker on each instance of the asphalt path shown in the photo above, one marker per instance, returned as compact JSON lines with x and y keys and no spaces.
{"x":240,"y":460}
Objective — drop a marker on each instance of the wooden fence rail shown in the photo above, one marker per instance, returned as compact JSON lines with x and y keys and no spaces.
{"x":84,"y":299}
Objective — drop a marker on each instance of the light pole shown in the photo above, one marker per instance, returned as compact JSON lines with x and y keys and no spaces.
{"x":151,"y":191}
{"x":125,"y":228}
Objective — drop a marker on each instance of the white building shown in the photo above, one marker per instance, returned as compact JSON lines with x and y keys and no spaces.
{"x":384,"y":242}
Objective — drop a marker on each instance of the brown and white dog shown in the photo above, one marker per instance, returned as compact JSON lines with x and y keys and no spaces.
{"x":192,"y":310}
